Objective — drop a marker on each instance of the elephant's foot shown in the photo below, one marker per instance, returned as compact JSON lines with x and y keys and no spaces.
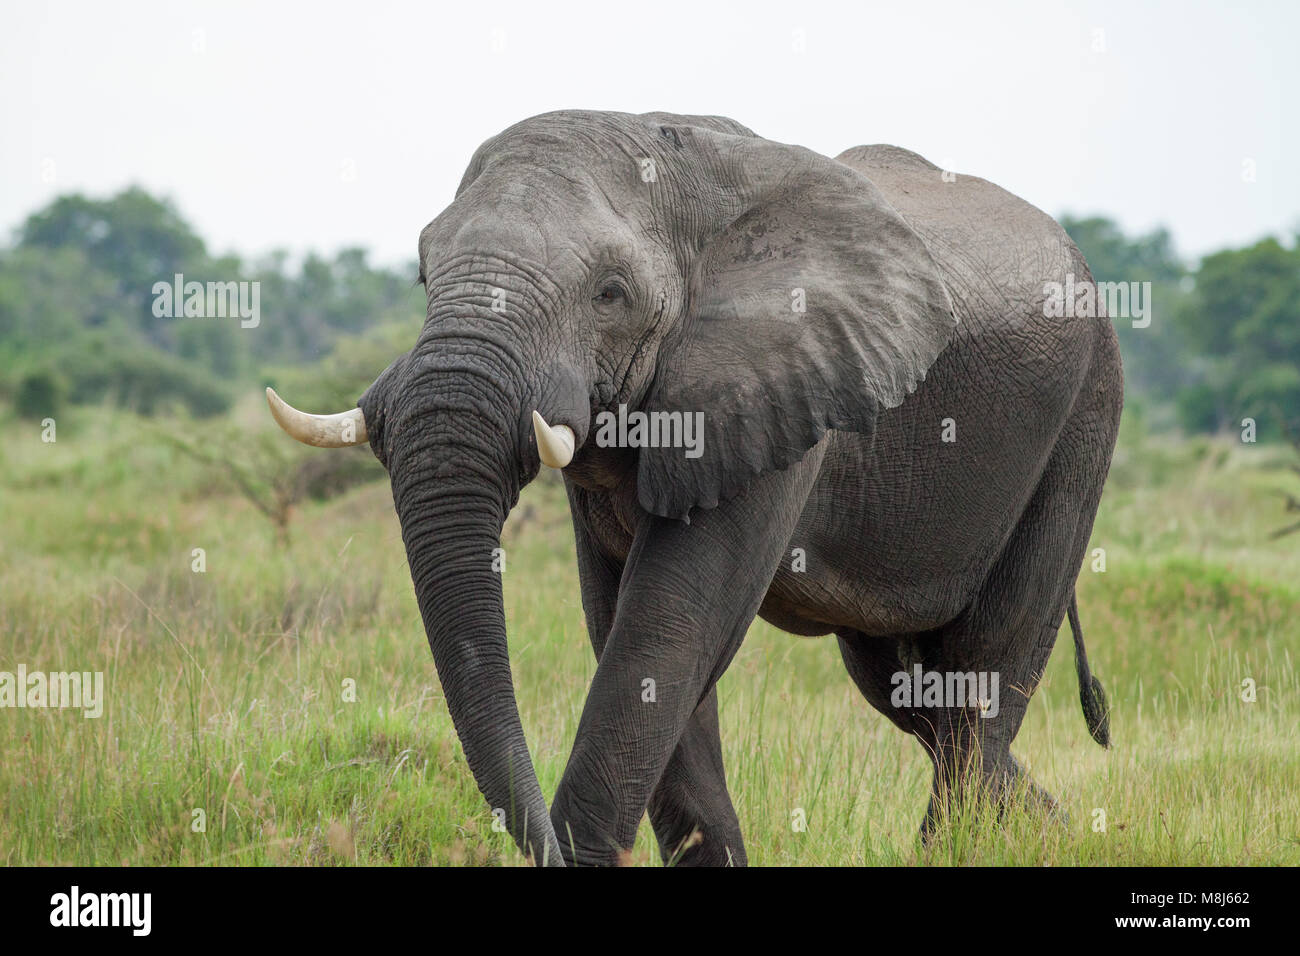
{"x":706,"y":846}
{"x":1006,"y":787}
{"x":1022,"y":792}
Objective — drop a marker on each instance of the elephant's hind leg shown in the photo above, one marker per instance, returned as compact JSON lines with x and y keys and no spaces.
{"x":964,"y":757}
{"x":1008,"y":633}
{"x":1004,"y":639}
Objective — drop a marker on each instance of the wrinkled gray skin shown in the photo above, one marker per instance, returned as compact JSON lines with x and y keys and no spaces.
{"x":674,"y":291}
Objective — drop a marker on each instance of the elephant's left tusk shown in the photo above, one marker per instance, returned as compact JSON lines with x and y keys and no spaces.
{"x":323,"y":431}
{"x":554,"y":445}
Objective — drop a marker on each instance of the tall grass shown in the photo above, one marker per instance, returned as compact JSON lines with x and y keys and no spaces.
{"x":226,"y":690}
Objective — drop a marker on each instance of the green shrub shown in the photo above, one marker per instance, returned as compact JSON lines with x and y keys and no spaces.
{"x":142,"y":379}
{"x":40,"y":394}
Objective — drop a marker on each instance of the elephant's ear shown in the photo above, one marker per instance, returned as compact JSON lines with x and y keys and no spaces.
{"x":813,"y":308}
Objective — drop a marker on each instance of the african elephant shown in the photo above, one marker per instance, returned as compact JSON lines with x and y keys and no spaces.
{"x":863,"y":422}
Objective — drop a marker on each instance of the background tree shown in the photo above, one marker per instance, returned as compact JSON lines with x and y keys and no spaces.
{"x":1156,"y":360}
{"x":1244,"y":320}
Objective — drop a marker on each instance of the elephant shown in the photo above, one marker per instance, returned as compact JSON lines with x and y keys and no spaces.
{"x":865,"y":420}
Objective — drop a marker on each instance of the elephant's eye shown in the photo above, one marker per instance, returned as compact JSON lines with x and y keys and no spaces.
{"x":612,"y":292}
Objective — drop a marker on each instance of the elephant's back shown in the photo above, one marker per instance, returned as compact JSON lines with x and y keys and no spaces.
{"x":991,"y":246}
{"x":1001,"y":259}
{"x":952,"y":468}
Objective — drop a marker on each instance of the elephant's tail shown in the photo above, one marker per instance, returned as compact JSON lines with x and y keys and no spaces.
{"x":1091,"y":694}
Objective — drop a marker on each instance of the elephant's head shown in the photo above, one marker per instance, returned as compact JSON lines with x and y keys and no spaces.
{"x":591,"y":260}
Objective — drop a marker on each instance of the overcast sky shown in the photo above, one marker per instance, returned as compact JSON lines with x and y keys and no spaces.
{"x":329,"y":124}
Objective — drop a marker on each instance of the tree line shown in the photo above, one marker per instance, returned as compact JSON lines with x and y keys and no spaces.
{"x":77,"y":322}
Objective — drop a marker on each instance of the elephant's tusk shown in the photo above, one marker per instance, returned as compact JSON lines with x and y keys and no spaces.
{"x":323,"y":431}
{"x":554,"y":445}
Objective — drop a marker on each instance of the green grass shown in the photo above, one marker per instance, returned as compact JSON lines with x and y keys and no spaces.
{"x":225,"y":689}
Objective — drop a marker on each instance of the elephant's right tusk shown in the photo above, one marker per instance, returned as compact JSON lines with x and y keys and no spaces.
{"x":323,"y":431}
{"x":554,"y":445}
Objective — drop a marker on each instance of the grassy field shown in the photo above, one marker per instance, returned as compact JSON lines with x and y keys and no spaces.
{"x":225,"y":689}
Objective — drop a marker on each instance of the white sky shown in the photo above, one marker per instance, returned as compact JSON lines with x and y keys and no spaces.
{"x":329,"y":124}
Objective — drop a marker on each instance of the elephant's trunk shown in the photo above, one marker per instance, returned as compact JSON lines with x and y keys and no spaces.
{"x":460,"y":600}
{"x":455,"y":474}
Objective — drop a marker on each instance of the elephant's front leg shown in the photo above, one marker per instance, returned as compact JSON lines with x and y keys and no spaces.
{"x":688,"y":594}
{"x":690,"y":808}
